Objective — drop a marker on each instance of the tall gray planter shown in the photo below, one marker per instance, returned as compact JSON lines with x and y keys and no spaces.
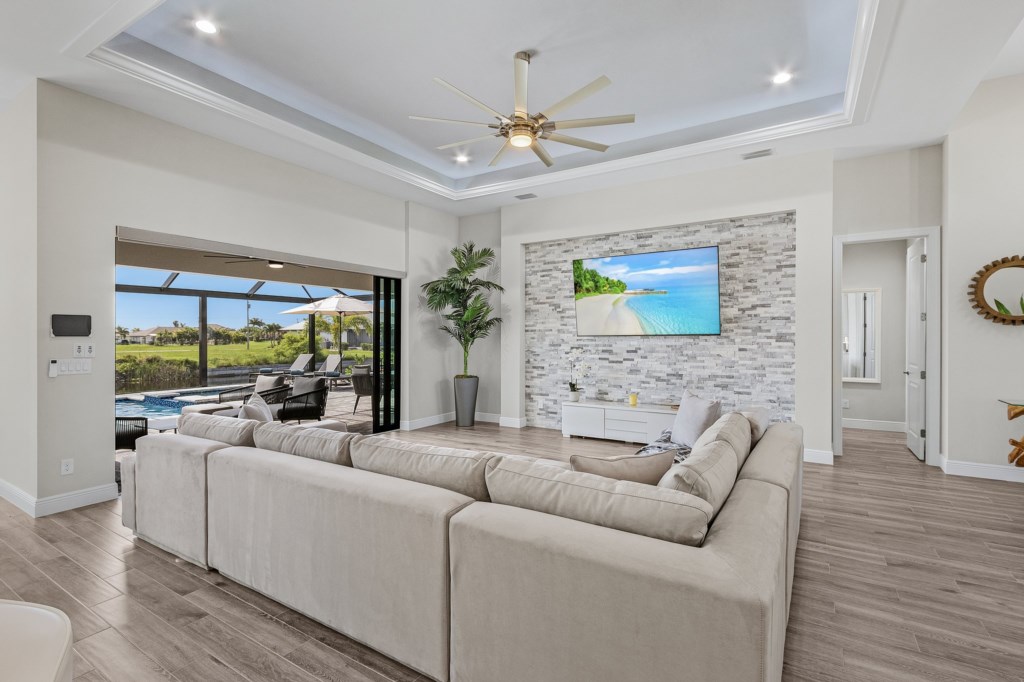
{"x":465,"y":400}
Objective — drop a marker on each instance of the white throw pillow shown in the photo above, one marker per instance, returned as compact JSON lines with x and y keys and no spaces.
{"x":695,"y":416}
{"x":760,"y":418}
{"x":257,"y":409}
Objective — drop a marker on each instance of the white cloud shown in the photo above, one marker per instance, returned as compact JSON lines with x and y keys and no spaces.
{"x":654,"y":273}
{"x":664,"y":262}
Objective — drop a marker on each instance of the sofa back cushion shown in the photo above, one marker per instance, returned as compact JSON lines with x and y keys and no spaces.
{"x":461,"y":471}
{"x":709,"y":473}
{"x":227,"y":430}
{"x":646,"y":469}
{"x":659,"y":513}
{"x":732,"y":428}
{"x":322,"y":444}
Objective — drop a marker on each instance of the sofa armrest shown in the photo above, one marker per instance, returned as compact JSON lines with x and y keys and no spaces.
{"x":540,"y":597}
{"x":170,"y":493}
{"x":128,"y":490}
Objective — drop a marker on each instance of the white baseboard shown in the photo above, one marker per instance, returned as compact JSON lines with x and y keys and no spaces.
{"x":874,"y":425}
{"x":995,"y":472}
{"x":424,"y":422}
{"x":513,"y":422}
{"x":488,"y":417}
{"x":44,"y":506}
{"x":818,"y":456}
{"x":18,"y":497}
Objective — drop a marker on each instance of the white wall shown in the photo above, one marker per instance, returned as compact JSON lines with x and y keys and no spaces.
{"x":889,"y":191}
{"x":18,"y":193}
{"x":430,"y":358}
{"x":881,"y":265}
{"x":802,"y":183}
{"x":984,"y":221}
{"x":101,"y":165}
{"x":485,"y":359}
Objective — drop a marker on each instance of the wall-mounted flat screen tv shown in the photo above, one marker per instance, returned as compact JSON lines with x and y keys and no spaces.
{"x":666,"y":293}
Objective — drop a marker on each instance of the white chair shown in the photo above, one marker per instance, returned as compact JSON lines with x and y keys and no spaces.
{"x":35,"y":643}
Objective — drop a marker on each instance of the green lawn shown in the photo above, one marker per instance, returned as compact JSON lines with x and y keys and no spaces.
{"x":233,"y":354}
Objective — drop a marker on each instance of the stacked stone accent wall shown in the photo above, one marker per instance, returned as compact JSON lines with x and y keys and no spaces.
{"x":752,"y":362}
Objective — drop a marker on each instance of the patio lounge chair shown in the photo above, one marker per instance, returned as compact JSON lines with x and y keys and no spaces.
{"x":298,"y":368}
{"x":330,"y":370}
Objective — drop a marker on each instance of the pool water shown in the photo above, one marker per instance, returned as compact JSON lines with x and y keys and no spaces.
{"x":153,"y":406}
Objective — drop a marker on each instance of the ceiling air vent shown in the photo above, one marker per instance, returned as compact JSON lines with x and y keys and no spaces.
{"x":759,"y":154}
{"x":523,"y":197}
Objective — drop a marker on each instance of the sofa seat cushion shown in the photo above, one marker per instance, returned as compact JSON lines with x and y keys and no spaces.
{"x":709,"y":473}
{"x":656,"y":512}
{"x":322,"y":444}
{"x":227,"y":430}
{"x":732,"y":428}
{"x":647,"y":469}
{"x":461,"y":471}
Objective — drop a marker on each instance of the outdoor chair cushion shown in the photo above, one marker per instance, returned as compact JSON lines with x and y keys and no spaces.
{"x":302,"y":385}
{"x":256,"y":409}
{"x":267,"y":383}
{"x":332,"y":375}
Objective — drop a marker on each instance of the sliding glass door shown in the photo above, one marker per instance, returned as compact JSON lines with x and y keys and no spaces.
{"x":387,"y":359}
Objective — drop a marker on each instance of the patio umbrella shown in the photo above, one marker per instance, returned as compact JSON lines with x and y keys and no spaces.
{"x":339,"y":304}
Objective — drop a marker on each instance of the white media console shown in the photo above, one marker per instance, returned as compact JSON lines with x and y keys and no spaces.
{"x":616,"y":421}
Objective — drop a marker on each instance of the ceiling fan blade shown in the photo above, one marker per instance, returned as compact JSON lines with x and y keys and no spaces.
{"x":244,"y":260}
{"x":578,"y":96}
{"x":575,"y":141}
{"x":522,"y":67}
{"x":590,"y":122}
{"x":465,"y":142}
{"x":501,"y":152}
{"x":452,"y":120}
{"x":473,"y":100}
{"x":542,"y":153}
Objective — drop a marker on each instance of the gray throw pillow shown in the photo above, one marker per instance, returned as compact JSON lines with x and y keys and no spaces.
{"x":695,"y":416}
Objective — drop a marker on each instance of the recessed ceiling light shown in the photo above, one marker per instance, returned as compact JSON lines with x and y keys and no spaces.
{"x":461,"y":158}
{"x":782,"y":77}
{"x":276,"y":264}
{"x":206,"y":26}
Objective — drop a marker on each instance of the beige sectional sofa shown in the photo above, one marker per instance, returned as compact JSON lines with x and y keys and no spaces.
{"x":482,"y":567}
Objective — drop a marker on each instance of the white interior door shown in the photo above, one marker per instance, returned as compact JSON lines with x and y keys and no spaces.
{"x":916,"y":350}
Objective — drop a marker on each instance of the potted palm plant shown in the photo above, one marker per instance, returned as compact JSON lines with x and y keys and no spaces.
{"x":461,"y":299}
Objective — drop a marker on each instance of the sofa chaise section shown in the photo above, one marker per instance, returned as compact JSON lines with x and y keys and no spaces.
{"x":364,"y":553}
{"x":544,"y":598}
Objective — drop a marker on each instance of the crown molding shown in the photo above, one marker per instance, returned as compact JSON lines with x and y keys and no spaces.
{"x":873,"y":32}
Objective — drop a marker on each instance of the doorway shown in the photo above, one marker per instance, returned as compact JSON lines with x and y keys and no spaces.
{"x":886,"y":338}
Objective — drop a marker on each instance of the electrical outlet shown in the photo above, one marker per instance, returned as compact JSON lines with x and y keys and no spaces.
{"x":79,"y":350}
{"x":90,"y":350}
{"x":67,"y":467}
{"x":846,"y":404}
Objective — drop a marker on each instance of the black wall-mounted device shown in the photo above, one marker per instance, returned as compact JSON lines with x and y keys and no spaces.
{"x":70,"y":325}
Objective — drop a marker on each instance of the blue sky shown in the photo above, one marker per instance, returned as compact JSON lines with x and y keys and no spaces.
{"x":147,"y":310}
{"x":661,"y":269}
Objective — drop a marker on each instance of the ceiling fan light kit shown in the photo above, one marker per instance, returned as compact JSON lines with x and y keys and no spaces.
{"x":523,"y":131}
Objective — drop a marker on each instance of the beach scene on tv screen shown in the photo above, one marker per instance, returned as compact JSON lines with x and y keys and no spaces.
{"x":663,"y":293}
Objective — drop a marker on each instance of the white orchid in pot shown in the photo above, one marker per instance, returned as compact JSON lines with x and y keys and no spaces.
{"x":578,"y":370}
{"x":461,"y":299}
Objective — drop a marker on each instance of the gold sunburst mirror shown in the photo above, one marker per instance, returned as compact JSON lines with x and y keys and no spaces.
{"x":997,"y":291}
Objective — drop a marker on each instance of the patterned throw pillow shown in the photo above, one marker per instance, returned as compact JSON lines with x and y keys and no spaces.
{"x":664,"y":444}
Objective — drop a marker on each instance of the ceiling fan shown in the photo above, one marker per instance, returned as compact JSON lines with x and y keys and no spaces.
{"x":231,"y":260}
{"x":522,"y":130}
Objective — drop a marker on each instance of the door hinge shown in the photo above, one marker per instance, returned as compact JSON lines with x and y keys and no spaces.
{"x":922,"y":433}
{"x":924,"y":317}
{"x":924,"y":374}
{"x":924,"y":257}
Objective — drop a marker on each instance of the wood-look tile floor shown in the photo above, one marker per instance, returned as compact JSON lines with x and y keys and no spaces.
{"x":902,"y":573}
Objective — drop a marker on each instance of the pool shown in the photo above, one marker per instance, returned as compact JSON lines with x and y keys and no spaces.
{"x":153,"y":406}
